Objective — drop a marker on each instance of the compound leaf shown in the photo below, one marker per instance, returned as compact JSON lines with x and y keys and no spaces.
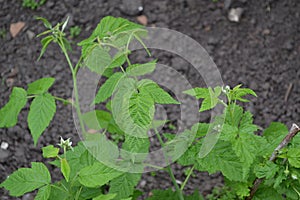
{"x":27,"y":179}
{"x":9,"y":113}
{"x":42,"y":110}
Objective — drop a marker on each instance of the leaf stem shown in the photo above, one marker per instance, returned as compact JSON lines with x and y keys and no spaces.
{"x":62,"y":100}
{"x":169,"y":169}
{"x":187,"y":178}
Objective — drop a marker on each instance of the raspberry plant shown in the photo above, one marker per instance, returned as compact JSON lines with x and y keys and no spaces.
{"x":253,"y":166}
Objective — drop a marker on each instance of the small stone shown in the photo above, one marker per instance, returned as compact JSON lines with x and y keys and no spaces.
{"x":235,"y":14}
{"x":207,"y":28}
{"x":4,"y":145}
{"x":143,"y":20}
{"x":266,"y":32}
{"x":15,"y":28}
{"x":30,"y":34}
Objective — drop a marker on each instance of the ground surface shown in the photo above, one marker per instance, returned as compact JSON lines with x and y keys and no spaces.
{"x":260,"y":52}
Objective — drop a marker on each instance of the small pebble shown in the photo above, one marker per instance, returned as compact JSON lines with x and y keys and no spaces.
{"x":4,"y":145}
{"x":30,"y":34}
{"x":235,"y":14}
{"x":142,"y":19}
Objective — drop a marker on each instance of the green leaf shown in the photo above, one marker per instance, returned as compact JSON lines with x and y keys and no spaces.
{"x":237,"y":93}
{"x":124,"y":185}
{"x":141,"y":107}
{"x":274,"y":131}
{"x":97,"y":175}
{"x":27,"y":179}
{"x":43,"y":193}
{"x":119,"y":59}
{"x":42,"y":110}
{"x":294,"y":157}
{"x":141,"y":69}
{"x":45,"y":42}
{"x":223,"y":158}
{"x":240,"y":188}
{"x":274,"y":134}
{"x":65,"y":168}
{"x":247,"y":147}
{"x":268,"y":170}
{"x":209,"y":95}
{"x":163,"y":194}
{"x":157,"y":93}
{"x":50,"y":151}
{"x":266,"y":193}
{"x":108,"y":88}
{"x":46,"y":23}
{"x":105,"y":197}
{"x":9,"y":113}
{"x":98,"y":60}
{"x":40,"y":86}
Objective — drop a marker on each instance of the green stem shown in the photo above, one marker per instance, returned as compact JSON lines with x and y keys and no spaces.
{"x":77,"y":105}
{"x":62,"y":100}
{"x":187,"y":178}
{"x":169,"y":169}
{"x":65,"y":191}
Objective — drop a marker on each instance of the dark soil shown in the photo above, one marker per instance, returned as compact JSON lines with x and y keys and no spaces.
{"x":260,"y":52}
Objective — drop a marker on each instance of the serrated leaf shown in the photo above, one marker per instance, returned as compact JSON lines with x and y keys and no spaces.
{"x":27,"y":179}
{"x":97,"y":175}
{"x":50,"y":151}
{"x":98,"y":60}
{"x":268,"y":170}
{"x":43,"y":193}
{"x":105,"y":197}
{"x":266,"y":193}
{"x":40,"y":86}
{"x":9,"y":113}
{"x":247,"y":147}
{"x":141,"y":107}
{"x":209,"y":95}
{"x":274,"y":135}
{"x":42,"y":110}
{"x":237,"y":93}
{"x":294,"y":157}
{"x":45,"y":42}
{"x":168,"y":194}
{"x":274,"y":131}
{"x":107,"y":89}
{"x":65,"y":168}
{"x":141,"y":69}
{"x":242,"y":189}
{"x":124,"y":185}
{"x":156,"y":92}
{"x":223,"y":158}
{"x":118,"y":60}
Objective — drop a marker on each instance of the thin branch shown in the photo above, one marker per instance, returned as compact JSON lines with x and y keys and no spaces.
{"x":295,"y":129}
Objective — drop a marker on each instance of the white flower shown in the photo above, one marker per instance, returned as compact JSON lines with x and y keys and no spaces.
{"x":65,"y":143}
{"x":294,"y":176}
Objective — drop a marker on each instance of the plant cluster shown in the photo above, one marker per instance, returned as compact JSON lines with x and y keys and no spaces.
{"x":253,"y":166}
{"x":33,"y":4}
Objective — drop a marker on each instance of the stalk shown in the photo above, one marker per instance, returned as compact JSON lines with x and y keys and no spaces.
{"x":169,"y":169}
